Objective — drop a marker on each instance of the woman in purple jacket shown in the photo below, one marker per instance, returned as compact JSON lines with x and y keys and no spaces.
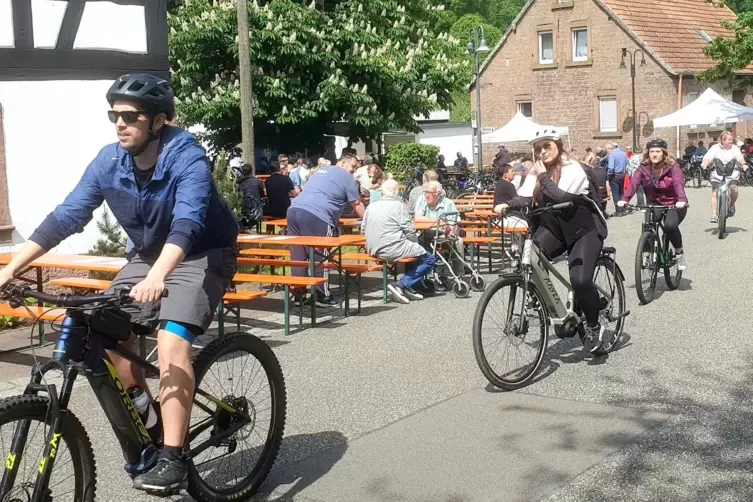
{"x":664,"y":184}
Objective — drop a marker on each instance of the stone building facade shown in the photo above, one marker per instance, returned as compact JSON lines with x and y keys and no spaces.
{"x":560,"y":64}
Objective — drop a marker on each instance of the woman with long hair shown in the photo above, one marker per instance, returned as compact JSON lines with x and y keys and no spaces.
{"x":579,"y":230}
{"x":663,"y":183}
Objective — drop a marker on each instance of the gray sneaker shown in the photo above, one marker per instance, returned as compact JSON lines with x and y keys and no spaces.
{"x":714,"y":218}
{"x":592,"y":339}
{"x":167,"y":476}
{"x":397,"y":293}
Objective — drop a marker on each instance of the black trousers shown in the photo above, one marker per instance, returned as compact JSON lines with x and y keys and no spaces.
{"x":672,"y":224}
{"x":582,"y":257}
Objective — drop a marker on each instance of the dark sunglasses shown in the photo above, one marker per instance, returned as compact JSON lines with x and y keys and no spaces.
{"x":128,"y":117}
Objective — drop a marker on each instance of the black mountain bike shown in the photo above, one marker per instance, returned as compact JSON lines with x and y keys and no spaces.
{"x":223,"y":464}
{"x":654,"y":252}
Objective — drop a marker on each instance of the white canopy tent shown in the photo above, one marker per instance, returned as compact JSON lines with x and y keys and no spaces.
{"x":520,"y":128}
{"x":709,"y":109}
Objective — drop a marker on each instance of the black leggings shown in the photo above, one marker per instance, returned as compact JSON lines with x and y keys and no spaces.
{"x":582,"y":257}
{"x":672,"y":224}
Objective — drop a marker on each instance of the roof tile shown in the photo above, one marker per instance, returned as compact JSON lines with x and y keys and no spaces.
{"x":669,"y":28}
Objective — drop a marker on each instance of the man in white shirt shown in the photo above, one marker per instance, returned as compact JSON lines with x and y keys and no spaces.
{"x":722,"y":156}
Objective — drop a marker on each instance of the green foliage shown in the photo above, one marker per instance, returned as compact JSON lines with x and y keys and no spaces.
{"x":403,"y":158}
{"x":740,"y":6}
{"x":732,"y":54}
{"x":227,"y":186}
{"x":461,"y":108}
{"x":372,"y":65}
{"x":113,"y":242}
{"x":463,"y":26}
{"x":498,"y":13}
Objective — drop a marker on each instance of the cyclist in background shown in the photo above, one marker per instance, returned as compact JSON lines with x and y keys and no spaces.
{"x":157,"y":182}
{"x":721,"y":156}
{"x":579,"y":230}
{"x":663,"y":183}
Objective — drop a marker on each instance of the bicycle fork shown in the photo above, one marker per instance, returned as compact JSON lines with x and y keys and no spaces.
{"x":58,"y":410}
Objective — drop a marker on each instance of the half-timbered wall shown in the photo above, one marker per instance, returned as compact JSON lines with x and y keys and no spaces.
{"x":57,"y":60}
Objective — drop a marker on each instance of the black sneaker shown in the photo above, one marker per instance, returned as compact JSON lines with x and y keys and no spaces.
{"x":327,"y":301}
{"x":397,"y":293}
{"x":592,"y":339}
{"x":166,"y":477}
{"x":412,"y":294}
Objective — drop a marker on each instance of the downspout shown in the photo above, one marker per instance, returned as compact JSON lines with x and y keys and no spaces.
{"x":679,"y":105}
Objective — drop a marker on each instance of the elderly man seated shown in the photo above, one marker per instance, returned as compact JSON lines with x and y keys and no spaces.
{"x":418,"y":192}
{"x":436,"y":208}
{"x":391,"y":236}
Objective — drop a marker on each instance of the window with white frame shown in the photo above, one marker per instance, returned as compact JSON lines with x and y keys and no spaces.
{"x":580,"y":44}
{"x":525,"y":108}
{"x":608,"y":114}
{"x":546,"y":47}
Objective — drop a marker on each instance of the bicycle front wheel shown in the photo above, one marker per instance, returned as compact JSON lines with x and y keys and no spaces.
{"x":510,"y":328}
{"x":672,"y":272}
{"x":698,"y":177}
{"x":27,"y":419}
{"x":646,"y":268}
{"x":722,"y":209}
{"x":243,"y":373}
{"x":611,"y":286}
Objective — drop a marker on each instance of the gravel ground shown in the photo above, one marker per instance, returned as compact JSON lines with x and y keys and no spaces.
{"x":686,"y":354}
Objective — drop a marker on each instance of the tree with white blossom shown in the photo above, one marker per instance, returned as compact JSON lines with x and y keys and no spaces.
{"x":373,"y":65}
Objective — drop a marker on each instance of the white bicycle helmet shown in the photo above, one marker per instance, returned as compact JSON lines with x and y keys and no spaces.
{"x":546,"y":132}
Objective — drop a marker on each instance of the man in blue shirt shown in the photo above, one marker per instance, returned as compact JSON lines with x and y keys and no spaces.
{"x":182,"y":237}
{"x":317,"y":210}
{"x":616,"y":169}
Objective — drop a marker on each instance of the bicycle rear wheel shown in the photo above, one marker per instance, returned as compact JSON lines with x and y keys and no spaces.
{"x":646,"y":268}
{"x":243,"y":372}
{"x":722,"y":211}
{"x":498,"y":315}
{"x":672,"y":272}
{"x":698,"y":177}
{"x":73,"y":474}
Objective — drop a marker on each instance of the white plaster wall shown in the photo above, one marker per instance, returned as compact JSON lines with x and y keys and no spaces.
{"x":450,"y":141}
{"x":53,"y":129}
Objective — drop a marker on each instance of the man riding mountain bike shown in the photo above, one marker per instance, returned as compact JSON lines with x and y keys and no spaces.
{"x":182,"y":237}
{"x":724,"y":156}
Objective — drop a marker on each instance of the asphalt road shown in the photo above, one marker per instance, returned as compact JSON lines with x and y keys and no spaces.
{"x":390,"y":405}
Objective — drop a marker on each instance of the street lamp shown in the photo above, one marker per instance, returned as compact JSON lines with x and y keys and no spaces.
{"x":477,"y":47}
{"x":632,"y":56}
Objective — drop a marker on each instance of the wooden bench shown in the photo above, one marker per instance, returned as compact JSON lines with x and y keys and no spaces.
{"x":231,"y":301}
{"x":278,"y":253}
{"x":385,"y":266}
{"x":353,"y":272}
{"x":286,"y":282}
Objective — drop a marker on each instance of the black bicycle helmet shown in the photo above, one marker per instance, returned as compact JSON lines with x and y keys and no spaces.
{"x":154,"y":93}
{"x":656,"y":143}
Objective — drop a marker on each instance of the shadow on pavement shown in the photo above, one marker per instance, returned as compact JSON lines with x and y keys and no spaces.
{"x":703,"y":453}
{"x":302,"y":460}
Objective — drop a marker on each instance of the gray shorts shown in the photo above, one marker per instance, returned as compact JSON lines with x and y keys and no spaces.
{"x":195,"y":288}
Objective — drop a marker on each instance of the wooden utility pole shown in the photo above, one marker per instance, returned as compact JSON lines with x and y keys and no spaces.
{"x":247,"y":109}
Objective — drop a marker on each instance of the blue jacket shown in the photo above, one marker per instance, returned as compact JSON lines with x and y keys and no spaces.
{"x":180,"y":205}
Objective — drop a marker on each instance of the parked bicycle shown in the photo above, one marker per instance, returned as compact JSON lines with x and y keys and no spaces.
{"x":533,"y":298}
{"x":695,"y":175}
{"x":655,"y":252}
{"x":223,"y":462}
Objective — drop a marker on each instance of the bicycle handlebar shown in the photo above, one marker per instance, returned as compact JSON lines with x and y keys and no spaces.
{"x":22,"y":292}
{"x":553,"y":207}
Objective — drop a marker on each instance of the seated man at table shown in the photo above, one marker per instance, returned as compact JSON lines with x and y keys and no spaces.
{"x":442,"y":210}
{"x":418,"y":192}
{"x":316,"y":213}
{"x":158,"y":184}
{"x":391,"y":236}
{"x":506,"y":195}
